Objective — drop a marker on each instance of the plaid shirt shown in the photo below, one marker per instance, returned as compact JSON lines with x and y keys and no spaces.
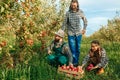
{"x":103,"y":61}
{"x":72,"y":22}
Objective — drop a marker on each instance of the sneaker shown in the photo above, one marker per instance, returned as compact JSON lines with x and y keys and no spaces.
{"x":100,"y":71}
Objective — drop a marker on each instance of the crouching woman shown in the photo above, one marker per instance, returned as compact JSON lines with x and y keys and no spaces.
{"x":96,"y":59}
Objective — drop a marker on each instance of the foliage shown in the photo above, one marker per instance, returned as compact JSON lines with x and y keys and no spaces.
{"x":6,"y":60}
{"x":27,"y":22}
{"x":110,"y":32}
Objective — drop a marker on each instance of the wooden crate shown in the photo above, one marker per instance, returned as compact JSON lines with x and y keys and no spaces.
{"x":70,"y":74}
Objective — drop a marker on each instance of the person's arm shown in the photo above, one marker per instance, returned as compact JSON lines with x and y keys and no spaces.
{"x":85,"y":60}
{"x":65,"y":22}
{"x":103,"y":61}
{"x":84,"y":21}
{"x":66,"y":50}
{"x":49,"y":48}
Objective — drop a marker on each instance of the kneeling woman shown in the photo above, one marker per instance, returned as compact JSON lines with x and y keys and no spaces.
{"x":96,"y":58}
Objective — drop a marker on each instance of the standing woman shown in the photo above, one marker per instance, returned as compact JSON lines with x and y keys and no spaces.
{"x":74,"y":29}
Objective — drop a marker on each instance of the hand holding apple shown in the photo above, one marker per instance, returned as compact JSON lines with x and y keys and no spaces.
{"x":80,"y":69}
{"x":90,"y":67}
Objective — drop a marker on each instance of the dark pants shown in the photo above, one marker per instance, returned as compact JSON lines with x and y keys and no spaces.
{"x":57,"y":59}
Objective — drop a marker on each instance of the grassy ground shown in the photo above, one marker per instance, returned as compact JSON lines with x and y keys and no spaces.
{"x":38,"y":69}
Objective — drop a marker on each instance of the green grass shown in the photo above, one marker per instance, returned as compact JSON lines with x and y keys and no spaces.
{"x":39,"y":69}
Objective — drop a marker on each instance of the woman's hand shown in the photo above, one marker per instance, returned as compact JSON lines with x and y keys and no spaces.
{"x":94,"y":68}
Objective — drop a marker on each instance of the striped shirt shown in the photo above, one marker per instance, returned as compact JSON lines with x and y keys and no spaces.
{"x":72,"y":22}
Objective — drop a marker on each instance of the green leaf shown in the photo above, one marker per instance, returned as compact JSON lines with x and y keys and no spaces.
{"x":2,"y":9}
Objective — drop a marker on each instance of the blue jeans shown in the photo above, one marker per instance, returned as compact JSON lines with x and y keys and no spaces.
{"x":74,"y":44}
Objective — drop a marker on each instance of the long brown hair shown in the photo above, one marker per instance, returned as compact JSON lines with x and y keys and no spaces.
{"x":96,"y":54}
{"x":74,"y":1}
{"x":98,"y":43}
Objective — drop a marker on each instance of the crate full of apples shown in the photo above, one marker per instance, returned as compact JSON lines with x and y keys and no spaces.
{"x":71,"y":71}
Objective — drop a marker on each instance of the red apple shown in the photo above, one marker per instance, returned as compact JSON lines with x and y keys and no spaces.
{"x":68,"y":67}
{"x":71,"y":66}
{"x":75,"y":69}
{"x":64,"y":67}
{"x":90,"y":67}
